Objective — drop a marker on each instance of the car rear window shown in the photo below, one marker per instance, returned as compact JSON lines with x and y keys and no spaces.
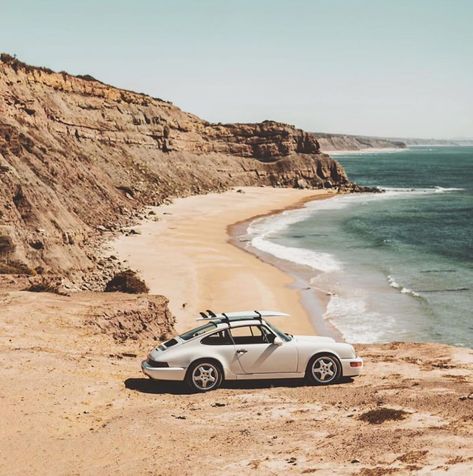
{"x":198,"y":331}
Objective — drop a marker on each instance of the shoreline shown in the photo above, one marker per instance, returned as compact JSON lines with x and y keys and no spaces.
{"x":313,"y":299}
{"x":369,"y":150}
{"x":185,"y":253}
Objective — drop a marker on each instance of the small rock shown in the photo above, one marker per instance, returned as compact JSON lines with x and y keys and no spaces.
{"x":179,"y":417}
{"x":302,"y":183}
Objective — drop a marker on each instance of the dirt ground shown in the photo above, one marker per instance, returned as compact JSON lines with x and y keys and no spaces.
{"x":73,"y":401}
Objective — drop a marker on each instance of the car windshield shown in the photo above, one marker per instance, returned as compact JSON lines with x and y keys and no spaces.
{"x":282,"y":335}
{"x":198,"y":331}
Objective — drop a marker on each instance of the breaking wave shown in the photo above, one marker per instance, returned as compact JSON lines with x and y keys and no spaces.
{"x":317,"y":260}
{"x":394,"y":284}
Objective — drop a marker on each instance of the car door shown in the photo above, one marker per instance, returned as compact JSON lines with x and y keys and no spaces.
{"x":221,"y":346}
{"x":258,"y":355}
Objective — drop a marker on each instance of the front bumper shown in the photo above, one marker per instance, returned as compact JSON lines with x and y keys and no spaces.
{"x":163,"y":373}
{"x":352,"y":367}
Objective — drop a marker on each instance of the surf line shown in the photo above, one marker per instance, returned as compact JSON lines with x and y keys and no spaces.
{"x":443,"y":290}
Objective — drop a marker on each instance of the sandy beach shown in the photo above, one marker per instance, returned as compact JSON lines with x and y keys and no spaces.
{"x":183,"y":251}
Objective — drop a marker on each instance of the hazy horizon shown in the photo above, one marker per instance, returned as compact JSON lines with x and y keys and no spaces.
{"x":376,"y":68}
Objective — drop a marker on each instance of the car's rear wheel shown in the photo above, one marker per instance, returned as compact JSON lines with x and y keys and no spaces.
{"x":204,"y":375}
{"x":324,"y":369}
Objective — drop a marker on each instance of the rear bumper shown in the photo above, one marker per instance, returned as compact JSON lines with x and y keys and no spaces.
{"x":352,"y":367}
{"x":163,"y":373}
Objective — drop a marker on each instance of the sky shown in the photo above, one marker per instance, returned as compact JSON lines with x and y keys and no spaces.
{"x":398,"y":68}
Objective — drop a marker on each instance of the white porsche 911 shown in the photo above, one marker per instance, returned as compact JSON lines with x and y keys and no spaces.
{"x":245,"y":346}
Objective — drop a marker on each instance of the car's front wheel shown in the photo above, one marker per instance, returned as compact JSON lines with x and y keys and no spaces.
{"x":204,"y":375}
{"x":324,"y":369}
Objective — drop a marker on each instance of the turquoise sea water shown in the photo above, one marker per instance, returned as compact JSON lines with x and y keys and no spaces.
{"x":398,"y":265}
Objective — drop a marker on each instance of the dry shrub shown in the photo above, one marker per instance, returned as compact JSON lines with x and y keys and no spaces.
{"x":127,"y":282}
{"x":380,"y":415}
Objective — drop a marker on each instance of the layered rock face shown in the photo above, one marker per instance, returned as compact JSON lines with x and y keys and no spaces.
{"x":78,"y":156}
{"x":133,"y":318}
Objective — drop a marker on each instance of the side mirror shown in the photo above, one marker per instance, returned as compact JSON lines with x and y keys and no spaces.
{"x":277,"y":341}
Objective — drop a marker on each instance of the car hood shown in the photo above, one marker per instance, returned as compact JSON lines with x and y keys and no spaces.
{"x":314,"y":339}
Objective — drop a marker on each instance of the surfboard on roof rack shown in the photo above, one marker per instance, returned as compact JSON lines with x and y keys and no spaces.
{"x":240,"y":315}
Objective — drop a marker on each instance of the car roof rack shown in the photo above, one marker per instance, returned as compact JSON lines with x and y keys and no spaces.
{"x":238,"y":316}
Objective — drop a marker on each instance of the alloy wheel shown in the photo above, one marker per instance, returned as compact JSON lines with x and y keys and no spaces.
{"x":324,"y":369}
{"x":205,"y":376}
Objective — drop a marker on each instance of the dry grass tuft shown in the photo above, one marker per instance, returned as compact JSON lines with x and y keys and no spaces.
{"x":380,"y":415}
{"x":127,"y":282}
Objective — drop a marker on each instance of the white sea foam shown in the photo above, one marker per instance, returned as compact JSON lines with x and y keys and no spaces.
{"x":409,"y":291}
{"x":439,"y":189}
{"x":394,"y":284}
{"x":316,"y":260}
{"x":264,"y":228}
{"x":355,"y":321}
{"x":396,"y":191}
{"x":277,"y":223}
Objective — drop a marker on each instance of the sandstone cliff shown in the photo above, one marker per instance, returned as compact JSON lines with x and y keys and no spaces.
{"x":335,"y":142}
{"x":78,"y":157}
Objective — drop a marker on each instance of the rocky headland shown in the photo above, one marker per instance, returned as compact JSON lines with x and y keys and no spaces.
{"x":347,"y":142}
{"x":79,"y":159}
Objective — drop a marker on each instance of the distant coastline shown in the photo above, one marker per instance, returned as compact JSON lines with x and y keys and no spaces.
{"x":369,"y":150}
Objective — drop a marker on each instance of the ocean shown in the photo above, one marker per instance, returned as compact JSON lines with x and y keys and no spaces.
{"x":398,"y":266}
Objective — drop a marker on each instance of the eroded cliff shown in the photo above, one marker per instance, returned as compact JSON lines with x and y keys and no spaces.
{"x":78,"y":157}
{"x":341,"y":142}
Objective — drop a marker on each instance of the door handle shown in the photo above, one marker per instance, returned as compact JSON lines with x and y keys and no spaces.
{"x":242,"y":351}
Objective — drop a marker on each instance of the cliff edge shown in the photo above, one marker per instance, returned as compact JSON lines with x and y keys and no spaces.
{"x":78,"y":157}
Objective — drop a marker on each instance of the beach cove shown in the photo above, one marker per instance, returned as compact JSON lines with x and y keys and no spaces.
{"x":186,"y":251}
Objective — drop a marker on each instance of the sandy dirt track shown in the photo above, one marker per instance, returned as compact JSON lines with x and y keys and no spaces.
{"x":72,"y":403}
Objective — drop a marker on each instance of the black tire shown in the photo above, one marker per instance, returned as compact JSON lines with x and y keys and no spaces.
{"x":204,"y":375}
{"x":323,"y":369}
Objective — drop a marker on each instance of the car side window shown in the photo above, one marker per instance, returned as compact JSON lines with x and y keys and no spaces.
{"x":269,"y":335}
{"x":249,"y":335}
{"x":217,"y":338}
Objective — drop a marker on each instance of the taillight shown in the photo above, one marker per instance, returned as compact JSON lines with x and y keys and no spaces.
{"x":153,"y":363}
